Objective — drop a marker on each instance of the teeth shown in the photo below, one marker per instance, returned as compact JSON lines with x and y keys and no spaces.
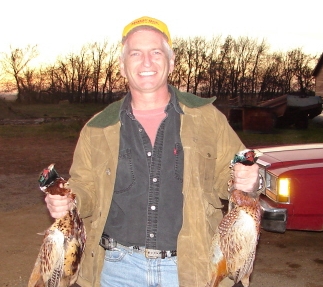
{"x":147,"y":73}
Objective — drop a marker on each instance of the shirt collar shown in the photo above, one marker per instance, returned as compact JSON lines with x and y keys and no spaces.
{"x":126,"y":105}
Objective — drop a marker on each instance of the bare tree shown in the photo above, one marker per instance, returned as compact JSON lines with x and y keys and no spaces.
{"x":83,"y":71}
{"x":176,"y":78}
{"x":199,"y":65}
{"x":64,"y":75}
{"x":112,"y":78}
{"x":189,"y":59}
{"x":271,"y":75}
{"x":302,"y":71}
{"x":16,"y":62}
{"x":256,"y":65}
{"x":230,"y":69}
{"x":210,"y":86}
{"x":99,"y":55}
{"x":224,"y":67}
{"x":194,"y":58}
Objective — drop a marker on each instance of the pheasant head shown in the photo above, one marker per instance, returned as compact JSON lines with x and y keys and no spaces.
{"x":50,"y":182}
{"x":246,"y":157}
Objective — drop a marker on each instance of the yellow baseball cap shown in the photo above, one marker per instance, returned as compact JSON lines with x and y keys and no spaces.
{"x":146,"y":21}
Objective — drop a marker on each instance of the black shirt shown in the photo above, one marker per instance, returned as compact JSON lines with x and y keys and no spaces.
{"x":147,"y":203}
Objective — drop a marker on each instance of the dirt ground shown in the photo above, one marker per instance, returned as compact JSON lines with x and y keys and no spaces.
{"x":283,"y":260}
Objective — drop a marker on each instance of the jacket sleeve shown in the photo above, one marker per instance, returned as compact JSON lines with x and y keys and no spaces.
{"x":81,"y":176}
{"x":228,"y":144}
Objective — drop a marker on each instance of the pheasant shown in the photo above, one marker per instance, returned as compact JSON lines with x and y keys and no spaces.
{"x":59,"y":257}
{"x":234,"y":243}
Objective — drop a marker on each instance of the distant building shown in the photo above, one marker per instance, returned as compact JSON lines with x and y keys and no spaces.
{"x":318,"y":75}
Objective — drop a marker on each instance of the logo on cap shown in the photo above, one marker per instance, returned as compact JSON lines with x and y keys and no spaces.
{"x":147,"y":22}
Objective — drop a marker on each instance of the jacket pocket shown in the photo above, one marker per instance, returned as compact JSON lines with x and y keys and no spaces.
{"x":207,"y":162}
{"x":212,"y":204}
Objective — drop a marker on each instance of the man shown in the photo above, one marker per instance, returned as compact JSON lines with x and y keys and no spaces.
{"x":149,"y":172}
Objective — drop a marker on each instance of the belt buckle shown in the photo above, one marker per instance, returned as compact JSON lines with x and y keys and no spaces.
{"x":152,"y":254}
{"x":108,"y":243}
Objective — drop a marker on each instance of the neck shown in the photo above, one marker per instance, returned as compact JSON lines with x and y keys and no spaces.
{"x":150,"y":101}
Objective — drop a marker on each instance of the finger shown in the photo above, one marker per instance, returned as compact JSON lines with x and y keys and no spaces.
{"x":247,"y":172}
{"x":58,"y":214}
{"x":57,"y":211}
{"x":56,"y":196}
{"x":57,"y":200}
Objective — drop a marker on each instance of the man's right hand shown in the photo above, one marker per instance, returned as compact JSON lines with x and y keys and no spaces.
{"x":58,"y":205}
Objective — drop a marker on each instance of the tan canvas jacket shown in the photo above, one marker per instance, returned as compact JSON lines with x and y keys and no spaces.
{"x":209,"y":144}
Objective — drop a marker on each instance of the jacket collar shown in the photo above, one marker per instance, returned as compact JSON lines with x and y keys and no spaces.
{"x":110,"y":115}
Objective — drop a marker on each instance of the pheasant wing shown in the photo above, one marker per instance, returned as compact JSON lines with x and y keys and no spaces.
{"x":53,"y":257}
{"x":239,"y":245}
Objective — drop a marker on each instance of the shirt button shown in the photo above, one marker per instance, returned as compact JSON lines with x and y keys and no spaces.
{"x":154,"y":179}
{"x":149,"y":153}
{"x":151,"y":235}
{"x":153,"y":207}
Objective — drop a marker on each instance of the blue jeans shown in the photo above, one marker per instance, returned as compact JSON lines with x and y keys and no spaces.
{"x":123,"y":267}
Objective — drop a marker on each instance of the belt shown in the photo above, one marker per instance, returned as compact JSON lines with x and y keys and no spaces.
{"x":111,"y":244}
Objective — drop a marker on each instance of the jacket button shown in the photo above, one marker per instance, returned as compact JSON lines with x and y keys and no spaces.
{"x":208,"y":154}
{"x":108,"y":171}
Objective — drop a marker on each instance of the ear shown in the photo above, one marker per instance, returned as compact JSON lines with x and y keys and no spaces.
{"x":172,"y":63}
{"x":121,"y":67}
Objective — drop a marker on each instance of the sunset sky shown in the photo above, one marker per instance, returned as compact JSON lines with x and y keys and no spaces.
{"x":63,"y":26}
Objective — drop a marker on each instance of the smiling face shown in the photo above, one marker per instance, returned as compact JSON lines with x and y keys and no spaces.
{"x":146,"y":62}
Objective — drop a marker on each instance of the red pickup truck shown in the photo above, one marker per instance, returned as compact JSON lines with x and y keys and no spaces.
{"x":293,"y":197}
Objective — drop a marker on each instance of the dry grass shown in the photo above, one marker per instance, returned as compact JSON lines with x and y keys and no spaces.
{"x":313,"y":134}
{"x":73,"y":116}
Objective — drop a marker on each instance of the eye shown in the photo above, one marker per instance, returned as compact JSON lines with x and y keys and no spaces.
{"x":133,"y":54}
{"x":157,"y":52}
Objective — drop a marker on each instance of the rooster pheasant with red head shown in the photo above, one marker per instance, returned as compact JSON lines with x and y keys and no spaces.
{"x":234,"y":243}
{"x":59,"y":257}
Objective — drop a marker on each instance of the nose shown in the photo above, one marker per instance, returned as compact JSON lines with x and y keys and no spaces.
{"x":147,"y":60}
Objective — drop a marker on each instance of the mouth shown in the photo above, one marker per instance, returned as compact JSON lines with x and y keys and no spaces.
{"x":145,"y":74}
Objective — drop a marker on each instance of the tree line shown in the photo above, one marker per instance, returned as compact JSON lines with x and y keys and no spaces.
{"x":232,"y":69}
